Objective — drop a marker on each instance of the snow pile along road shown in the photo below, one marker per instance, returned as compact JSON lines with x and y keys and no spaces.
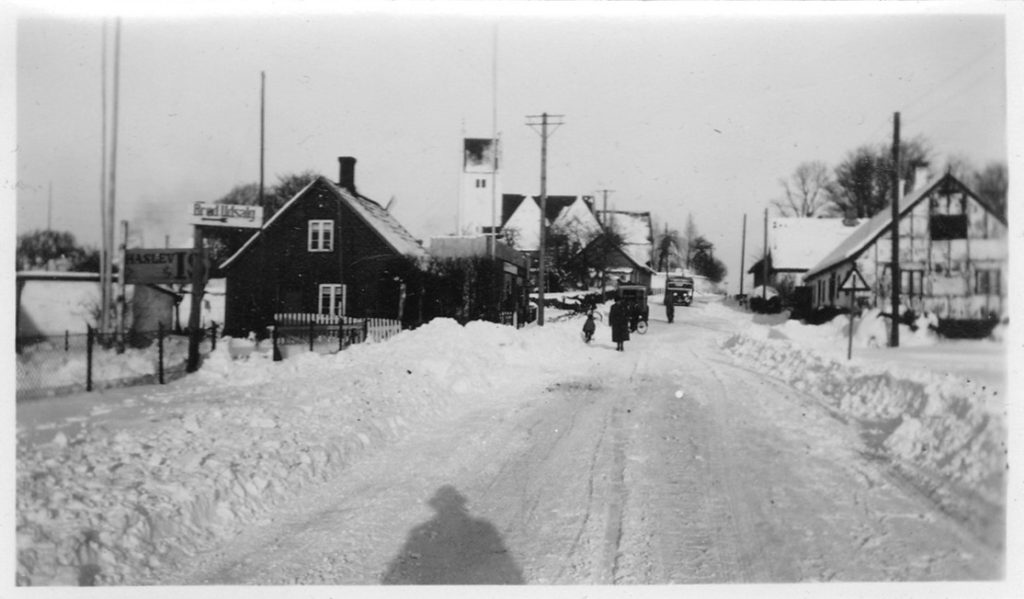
{"x":216,"y":450}
{"x":944,"y":433}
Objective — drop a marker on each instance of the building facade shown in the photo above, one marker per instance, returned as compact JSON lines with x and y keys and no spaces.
{"x":953,"y":257}
{"x":330,"y":251}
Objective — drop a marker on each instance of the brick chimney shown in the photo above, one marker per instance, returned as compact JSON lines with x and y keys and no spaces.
{"x":347,"y":173}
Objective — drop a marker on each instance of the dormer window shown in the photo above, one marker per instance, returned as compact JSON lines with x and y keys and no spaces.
{"x":321,"y":235}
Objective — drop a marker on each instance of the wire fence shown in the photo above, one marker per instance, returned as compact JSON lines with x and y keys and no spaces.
{"x":60,"y":364}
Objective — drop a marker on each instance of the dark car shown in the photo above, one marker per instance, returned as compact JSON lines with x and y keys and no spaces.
{"x":679,"y":291}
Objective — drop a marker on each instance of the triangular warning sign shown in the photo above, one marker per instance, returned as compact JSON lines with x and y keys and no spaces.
{"x":854,"y":282}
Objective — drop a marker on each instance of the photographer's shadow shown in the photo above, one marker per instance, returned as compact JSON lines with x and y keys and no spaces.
{"x":453,"y":548}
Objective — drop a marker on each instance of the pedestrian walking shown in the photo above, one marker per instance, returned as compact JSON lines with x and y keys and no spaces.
{"x":618,"y":319}
{"x":670,"y":307}
{"x":588,"y":327}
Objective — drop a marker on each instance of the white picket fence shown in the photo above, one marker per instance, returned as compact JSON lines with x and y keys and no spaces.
{"x":328,"y":325}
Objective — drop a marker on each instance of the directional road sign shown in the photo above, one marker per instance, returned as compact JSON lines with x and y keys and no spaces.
{"x":160,"y":266}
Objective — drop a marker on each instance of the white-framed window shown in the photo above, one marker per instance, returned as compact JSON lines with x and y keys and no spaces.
{"x":332,"y":299}
{"x":321,"y":235}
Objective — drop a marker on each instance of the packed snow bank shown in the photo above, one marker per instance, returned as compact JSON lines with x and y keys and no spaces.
{"x":216,"y":450}
{"x":947,"y":433}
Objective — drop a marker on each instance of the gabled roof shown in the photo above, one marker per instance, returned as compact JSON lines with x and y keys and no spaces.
{"x":553,"y":206}
{"x":878,"y":224}
{"x":373,"y":214}
{"x":602,"y":239}
{"x":800,"y":243}
{"x":636,"y":230}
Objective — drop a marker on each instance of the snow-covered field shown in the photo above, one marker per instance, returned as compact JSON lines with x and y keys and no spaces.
{"x":113,"y":486}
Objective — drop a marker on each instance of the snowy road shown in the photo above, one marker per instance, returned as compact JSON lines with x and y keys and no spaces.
{"x":667,"y":463}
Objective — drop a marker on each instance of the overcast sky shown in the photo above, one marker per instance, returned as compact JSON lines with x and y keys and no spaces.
{"x":679,"y":112}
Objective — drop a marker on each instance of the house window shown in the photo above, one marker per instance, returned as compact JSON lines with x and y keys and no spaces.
{"x":321,"y":235}
{"x":481,"y":183}
{"x":912,"y":282}
{"x":986,"y":282}
{"x":332,"y":300}
{"x":948,"y":226}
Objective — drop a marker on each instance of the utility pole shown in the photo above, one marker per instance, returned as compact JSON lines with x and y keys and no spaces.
{"x":112,"y":189}
{"x":743,"y":251}
{"x":764,"y":260}
{"x":604,"y":206}
{"x":122,"y":306}
{"x":263,"y":86}
{"x":104,"y":250}
{"x":894,"y":268}
{"x":544,"y":133}
{"x":494,"y":145}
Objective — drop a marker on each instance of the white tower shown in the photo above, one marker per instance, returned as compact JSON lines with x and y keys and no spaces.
{"x":480,"y":195}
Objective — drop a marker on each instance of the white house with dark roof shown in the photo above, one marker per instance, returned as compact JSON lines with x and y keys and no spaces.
{"x":572,"y":214}
{"x":953,"y":256}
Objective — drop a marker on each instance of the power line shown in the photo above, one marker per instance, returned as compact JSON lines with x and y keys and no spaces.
{"x":960,"y":69}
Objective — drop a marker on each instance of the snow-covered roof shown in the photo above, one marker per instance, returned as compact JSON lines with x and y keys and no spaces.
{"x":554,"y":205}
{"x":636,"y":231}
{"x":878,"y":224}
{"x":800,"y":243}
{"x":376,"y":217}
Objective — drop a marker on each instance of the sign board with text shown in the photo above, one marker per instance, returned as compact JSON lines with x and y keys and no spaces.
{"x":226,"y":215}
{"x":160,"y":266}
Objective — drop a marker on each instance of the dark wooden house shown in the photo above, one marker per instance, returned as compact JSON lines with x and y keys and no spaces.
{"x":329,"y":251}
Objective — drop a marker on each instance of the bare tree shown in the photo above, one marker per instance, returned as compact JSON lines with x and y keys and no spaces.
{"x":806,"y":192}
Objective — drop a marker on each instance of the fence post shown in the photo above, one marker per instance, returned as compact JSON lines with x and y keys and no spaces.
{"x":88,"y":357}
{"x":213,"y":336}
{"x":67,"y":340}
{"x":366,"y":329}
{"x":160,"y":352}
{"x":341,"y":333}
{"x":273,"y":338}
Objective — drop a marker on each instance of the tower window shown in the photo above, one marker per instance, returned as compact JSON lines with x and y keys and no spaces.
{"x":480,"y":183}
